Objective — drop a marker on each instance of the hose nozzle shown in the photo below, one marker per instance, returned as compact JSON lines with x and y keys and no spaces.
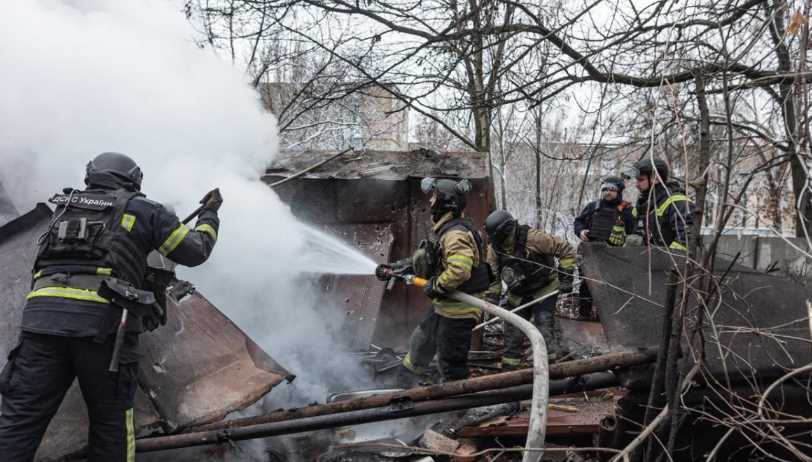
{"x":384,"y":272}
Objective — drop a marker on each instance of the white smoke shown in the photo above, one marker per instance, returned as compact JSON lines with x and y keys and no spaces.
{"x":83,"y":77}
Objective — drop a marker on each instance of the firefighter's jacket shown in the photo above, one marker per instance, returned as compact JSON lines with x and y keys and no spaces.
{"x":458,"y":260}
{"x":664,"y":216}
{"x":109,"y":238}
{"x":535,"y":258}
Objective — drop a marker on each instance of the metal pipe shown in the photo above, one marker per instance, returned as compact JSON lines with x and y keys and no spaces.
{"x":444,"y":390}
{"x":538,"y":406}
{"x":396,"y":410}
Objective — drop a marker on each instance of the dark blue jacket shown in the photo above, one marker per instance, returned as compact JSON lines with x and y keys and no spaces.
{"x":78,"y":312}
{"x":584,"y":220}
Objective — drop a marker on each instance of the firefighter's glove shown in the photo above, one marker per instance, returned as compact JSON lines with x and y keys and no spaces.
{"x":434,"y":290}
{"x":212,"y":200}
{"x":384,"y":272}
{"x":155,"y":319}
{"x":618,"y":236}
{"x":565,"y":280}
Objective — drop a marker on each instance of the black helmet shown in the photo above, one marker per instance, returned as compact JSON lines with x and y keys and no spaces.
{"x":649,"y":167}
{"x":114,"y":169}
{"x":450,"y":195}
{"x":499,"y":225}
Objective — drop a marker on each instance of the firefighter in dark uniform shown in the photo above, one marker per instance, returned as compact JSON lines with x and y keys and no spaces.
{"x":96,"y":244}
{"x":610,"y":220}
{"x":663,"y":213}
{"x":524,"y":261}
{"x":453,"y":260}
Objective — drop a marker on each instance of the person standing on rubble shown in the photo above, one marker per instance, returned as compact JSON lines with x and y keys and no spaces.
{"x":88,"y":305}
{"x":663,"y":213}
{"x":523,"y":260}
{"x":452,"y":260}
{"x":608,"y":219}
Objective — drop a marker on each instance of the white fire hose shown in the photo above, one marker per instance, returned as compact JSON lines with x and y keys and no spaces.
{"x":538,"y":409}
{"x":517,"y":309}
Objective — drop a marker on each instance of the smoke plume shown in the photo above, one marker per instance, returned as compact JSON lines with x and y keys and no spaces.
{"x":84,"y":77}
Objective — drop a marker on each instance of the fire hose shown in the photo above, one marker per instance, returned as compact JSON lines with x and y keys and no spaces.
{"x":538,"y":409}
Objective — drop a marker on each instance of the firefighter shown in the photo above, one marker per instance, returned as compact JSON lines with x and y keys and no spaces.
{"x":524,"y":261}
{"x":96,"y":243}
{"x":663,"y":213}
{"x":609,"y":220}
{"x":452,"y":261}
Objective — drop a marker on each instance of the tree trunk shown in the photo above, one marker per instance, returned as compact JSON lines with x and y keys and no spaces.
{"x":703,"y":161}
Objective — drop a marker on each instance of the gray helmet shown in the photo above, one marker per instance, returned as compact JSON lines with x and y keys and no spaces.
{"x":615,"y":181}
{"x":114,"y":166}
{"x":450,"y":194}
{"x":499,"y":225}
{"x":648,"y":167}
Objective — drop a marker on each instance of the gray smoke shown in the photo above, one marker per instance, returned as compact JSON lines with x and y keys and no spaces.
{"x":83,"y":77}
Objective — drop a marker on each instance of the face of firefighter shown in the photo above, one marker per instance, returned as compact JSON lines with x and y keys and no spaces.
{"x":643,"y":183}
{"x":609,"y":194}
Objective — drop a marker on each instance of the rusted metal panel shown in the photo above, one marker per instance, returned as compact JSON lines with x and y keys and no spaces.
{"x":209,"y":367}
{"x":200,"y":366}
{"x":590,"y":408}
{"x":760,"y":328}
{"x":359,"y":296}
{"x":338,"y":195}
{"x":392,"y":165}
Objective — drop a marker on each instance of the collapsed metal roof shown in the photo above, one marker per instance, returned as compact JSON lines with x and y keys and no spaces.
{"x":389,"y":165}
{"x":195,"y":370}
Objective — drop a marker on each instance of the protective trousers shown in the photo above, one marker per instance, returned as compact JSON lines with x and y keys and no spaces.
{"x":584,"y":300}
{"x":450,"y":338}
{"x":38,"y":374}
{"x":543,"y":315}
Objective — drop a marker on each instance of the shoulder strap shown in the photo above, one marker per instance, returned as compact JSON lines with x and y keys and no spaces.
{"x":520,"y":249}
{"x":123,"y":198}
{"x":466,"y":225}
